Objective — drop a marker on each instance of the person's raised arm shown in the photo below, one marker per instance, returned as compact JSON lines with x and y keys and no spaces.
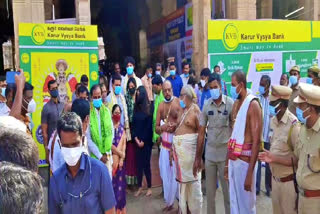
{"x":17,"y":104}
{"x":255,"y":124}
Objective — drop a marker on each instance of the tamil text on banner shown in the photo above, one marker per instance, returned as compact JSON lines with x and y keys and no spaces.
{"x":56,"y":52}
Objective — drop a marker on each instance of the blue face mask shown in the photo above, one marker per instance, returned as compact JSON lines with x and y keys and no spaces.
{"x":97,"y":103}
{"x":158,"y":72}
{"x":186,"y":75}
{"x":262,"y":90}
{"x":149,"y":75}
{"x":129,"y":70}
{"x":182,"y":104}
{"x":300,"y":117}
{"x":309,"y":80}
{"x":215,"y":93}
{"x":117,"y":90}
{"x":54,"y":93}
{"x":3,"y":92}
{"x":293,"y":80}
{"x":272,"y":110}
{"x":233,"y":92}
{"x":172,"y":72}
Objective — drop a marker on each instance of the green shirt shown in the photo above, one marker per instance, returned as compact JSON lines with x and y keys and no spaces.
{"x":157,"y":101}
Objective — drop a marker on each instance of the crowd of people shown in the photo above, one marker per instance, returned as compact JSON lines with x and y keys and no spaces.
{"x":100,"y":145}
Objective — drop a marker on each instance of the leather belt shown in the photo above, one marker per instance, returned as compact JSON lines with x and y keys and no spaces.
{"x":310,"y":193}
{"x":284,"y":179}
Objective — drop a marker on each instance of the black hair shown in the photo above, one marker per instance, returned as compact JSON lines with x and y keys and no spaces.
{"x":69,"y":122}
{"x":158,"y":64}
{"x":81,"y":107}
{"x":51,"y":82}
{"x":148,"y":67}
{"x":157,"y":80}
{"x":2,"y":78}
{"x":172,"y":64}
{"x":192,"y":81}
{"x":205,"y":72}
{"x":114,"y":107}
{"x":84,"y":78}
{"x":184,"y":64}
{"x":77,"y":85}
{"x":105,"y":79}
{"x":192,"y":71}
{"x":21,"y":190}
{"x":267,"y":78}
{"x":19,"y":148}
{"x":142,"y":101}
{"x":129,"y":59}
{"x":93,"y":88}
{"x":116,"y":77}
{"x":11,"y":87}
{"x":240,"y":77}
{"x":216,"y":66}
{"x":27,"y":87}
{"x":131,"y":80}
{"x":82,"y":89}
{"x":213,"y":77}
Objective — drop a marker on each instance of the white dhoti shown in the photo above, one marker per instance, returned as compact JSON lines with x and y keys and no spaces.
{"x":184,"y":147}
{"x":167,"y":172}
{"x":241,"y":201}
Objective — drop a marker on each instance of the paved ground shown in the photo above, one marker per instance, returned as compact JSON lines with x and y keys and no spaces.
{"x":155,"y":203}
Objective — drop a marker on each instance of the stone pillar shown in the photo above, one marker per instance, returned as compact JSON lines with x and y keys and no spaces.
{"x":266,"y":9}
{"x":143,"y":48}
{"x":201,"y":14}
{"x":168,"y":6}
{"x":27,"y":11}
{"x":83,"y":13}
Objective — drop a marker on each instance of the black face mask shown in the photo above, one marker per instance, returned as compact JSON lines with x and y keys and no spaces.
{"x":132,"y":91}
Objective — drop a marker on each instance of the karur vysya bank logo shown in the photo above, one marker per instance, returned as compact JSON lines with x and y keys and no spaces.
{"x":38,"y":35}
{"x":230,"y":37}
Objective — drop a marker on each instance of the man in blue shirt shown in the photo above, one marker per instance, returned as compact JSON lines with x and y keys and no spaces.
{"x":204,"y":75}
{"x":175,"y":80}
{"x":83,"y":184}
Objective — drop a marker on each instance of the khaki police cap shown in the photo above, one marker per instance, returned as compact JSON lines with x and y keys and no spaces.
{"x":315,"y":69}
{"x":295,"y":68}
{"x":280,"y":92}
{"x":309,"y":94}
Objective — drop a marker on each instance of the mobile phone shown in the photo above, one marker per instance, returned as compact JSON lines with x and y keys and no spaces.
{"x":10,"y":76}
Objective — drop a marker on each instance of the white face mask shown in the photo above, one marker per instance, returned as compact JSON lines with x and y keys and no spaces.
{"x":32,"y":106}
{"x":203,"y":83}
{"x":72,"y":155}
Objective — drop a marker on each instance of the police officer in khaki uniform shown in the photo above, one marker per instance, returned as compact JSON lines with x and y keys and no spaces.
{"x":294,"y":82}
{"x":284,"y":130}
{"x":313,"y":73}
{"x":308,"y":150}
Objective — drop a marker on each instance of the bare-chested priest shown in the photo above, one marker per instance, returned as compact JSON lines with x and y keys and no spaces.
{"x":184,"y":151}
{"x":243,"y":147}
{"x":166,"y":122}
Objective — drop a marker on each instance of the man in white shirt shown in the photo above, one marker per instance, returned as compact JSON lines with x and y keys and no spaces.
{"x":82,"y":108}
{"x":185,"y":73}
{"x":130,"y":64}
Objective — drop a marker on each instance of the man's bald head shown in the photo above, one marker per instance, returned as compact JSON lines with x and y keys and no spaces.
{"x":167,"y":90}
{"x":239,"y":77}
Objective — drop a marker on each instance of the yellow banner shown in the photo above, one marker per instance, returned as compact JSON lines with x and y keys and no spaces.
{"x":233,"y":32}
{"x":42,"y":32}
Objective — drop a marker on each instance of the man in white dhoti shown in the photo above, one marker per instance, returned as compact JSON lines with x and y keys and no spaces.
{"x":243,"y":147}
{"x":184,"y":152}
{"x":165,"y":125}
